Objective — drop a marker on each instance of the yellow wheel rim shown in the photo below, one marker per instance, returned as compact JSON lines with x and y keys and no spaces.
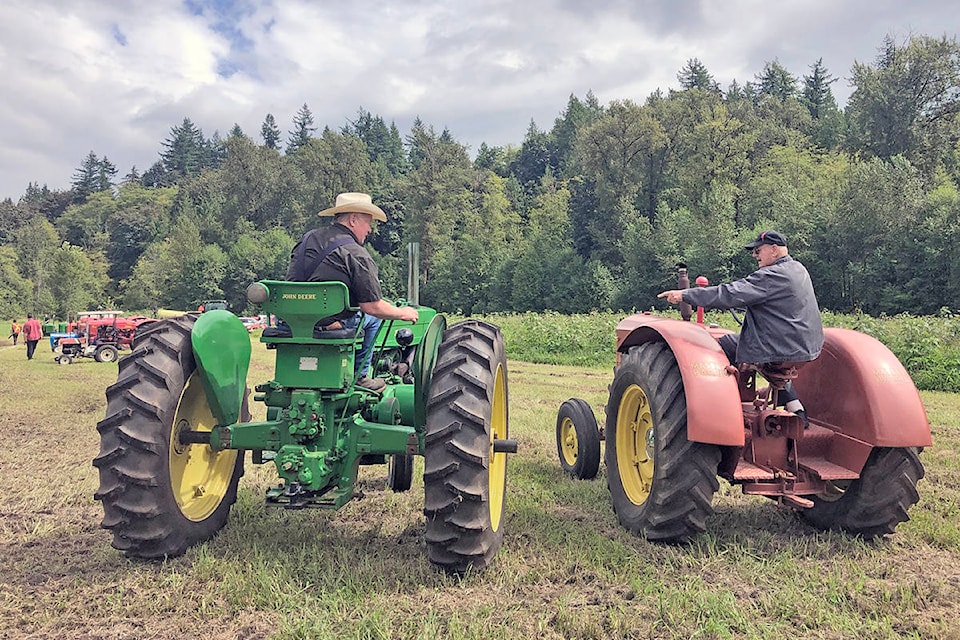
{"x":199,"y":476}
{"x":635,"y":444}
{"x":498,"y":461}
{"x":569,"y":447}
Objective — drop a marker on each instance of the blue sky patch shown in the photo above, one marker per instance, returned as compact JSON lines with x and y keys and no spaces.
{"x":118,"y":36}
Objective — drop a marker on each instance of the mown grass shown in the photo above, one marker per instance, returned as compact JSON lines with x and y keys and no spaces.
{"x":566,"y":569}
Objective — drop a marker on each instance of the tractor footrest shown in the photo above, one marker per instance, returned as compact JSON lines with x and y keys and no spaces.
{"x":826,"y":470}
{"x":295,"y":497}
{"x":300,"y":502}
{"x":749,"y":472}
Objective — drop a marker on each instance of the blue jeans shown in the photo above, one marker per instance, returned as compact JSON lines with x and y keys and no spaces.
{"x":371,"y":324}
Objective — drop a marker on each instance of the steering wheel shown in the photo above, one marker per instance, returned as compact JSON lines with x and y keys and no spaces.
{"x":734,"y":311}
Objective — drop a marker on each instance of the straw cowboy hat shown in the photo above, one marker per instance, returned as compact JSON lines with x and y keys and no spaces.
{"x":355,"y":203}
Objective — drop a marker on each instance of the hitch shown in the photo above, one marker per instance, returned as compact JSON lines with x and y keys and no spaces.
{"x":504,"y":445}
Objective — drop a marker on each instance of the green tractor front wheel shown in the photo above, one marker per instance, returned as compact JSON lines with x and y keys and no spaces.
{"x":464,"y":477}
{"x":399,"y":472}
{"x":161,"y":496}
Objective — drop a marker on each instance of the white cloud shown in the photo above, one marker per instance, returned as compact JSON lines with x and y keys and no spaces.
{"x":114,"y":77}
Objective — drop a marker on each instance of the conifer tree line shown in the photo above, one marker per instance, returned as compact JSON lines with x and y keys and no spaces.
{"x":593,"y":213}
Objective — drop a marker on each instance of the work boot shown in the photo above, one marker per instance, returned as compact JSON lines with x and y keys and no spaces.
{"x":802,"y":414}
{"x":373,"y":384}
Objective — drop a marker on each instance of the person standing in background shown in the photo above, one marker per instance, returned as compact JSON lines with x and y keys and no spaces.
{"x":32,"y":332}
{"x":14,"y":331}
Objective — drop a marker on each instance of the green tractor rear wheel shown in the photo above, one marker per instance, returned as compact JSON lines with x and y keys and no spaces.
{"x":464,"y":478}
{"x":661,"y":484}
{"x":161,"y":496}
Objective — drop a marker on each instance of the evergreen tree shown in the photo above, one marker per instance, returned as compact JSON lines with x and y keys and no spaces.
{"x":93,"y":176}
{"x":85,"y":178}
{"x":50,"y":203}
{"x":777,"y":82}
{"x":185,"y":151}
{"x":534,"y":158}
{"x":106,"y":171}
{"x":493,"y":159}
{"x":302,"y":128}
{"x":216,"y":150}
{"x":270,"y":132}
{"x":132,"y":176}
{"x":578,"y":115}
{"x":158,"y":176}
{"x":694,"y":75}
{"x":383,"y":143}
{"x":817,"y":96}
{"x":908,"y":102}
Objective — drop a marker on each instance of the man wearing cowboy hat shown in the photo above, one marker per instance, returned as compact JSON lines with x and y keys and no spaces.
{"x":782,"y":320}
{"x":336,"y":253}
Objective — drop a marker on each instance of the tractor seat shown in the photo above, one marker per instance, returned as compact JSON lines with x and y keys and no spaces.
{"x":777,"y":373}
{"x":319,"y":333}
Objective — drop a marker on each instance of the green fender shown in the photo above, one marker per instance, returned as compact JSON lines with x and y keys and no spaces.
{"x":221,"y":348}
{"x":423,"y":363}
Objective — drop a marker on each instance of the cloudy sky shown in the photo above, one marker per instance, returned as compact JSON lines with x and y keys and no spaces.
{"x":113,"y":76}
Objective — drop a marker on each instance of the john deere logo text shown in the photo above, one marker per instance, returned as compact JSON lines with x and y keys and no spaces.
{"x":299,"y":296}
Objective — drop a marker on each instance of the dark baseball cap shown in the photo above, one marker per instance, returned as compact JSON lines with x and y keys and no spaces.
{"x":767,"y":237}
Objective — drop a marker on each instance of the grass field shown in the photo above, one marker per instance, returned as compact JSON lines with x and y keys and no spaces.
{"x":566,"y":568}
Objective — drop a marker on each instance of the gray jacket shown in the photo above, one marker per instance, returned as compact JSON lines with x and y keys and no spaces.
{"x":782,"y":322}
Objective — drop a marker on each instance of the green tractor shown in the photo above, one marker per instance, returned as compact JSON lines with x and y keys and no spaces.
{"x":177,"y":425}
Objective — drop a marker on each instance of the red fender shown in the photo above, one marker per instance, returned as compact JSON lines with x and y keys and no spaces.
{"x":714,"y":413}
{"x":858,"y":387}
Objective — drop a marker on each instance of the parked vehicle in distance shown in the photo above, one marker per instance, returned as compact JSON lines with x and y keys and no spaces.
{"x":98,"y":335}
{"x":253,"y":323}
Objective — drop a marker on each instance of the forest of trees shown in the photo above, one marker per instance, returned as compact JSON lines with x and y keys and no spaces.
{"x":593,"y":213}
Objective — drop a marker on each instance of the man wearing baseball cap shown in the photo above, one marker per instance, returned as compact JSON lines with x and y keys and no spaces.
{"x":336,"y":253}
{"x":782,"y":320}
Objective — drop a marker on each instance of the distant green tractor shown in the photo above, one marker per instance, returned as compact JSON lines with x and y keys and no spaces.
{"x":177,"y":424}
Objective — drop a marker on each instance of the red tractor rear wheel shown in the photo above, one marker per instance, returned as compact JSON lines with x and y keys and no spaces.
{"x":875,"y":503}
{"x":661,"y":484}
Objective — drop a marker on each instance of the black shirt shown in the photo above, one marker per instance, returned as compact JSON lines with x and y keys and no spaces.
{"x":349,"y":263}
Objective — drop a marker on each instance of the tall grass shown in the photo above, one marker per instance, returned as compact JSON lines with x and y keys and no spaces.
{"x":929,"y":347}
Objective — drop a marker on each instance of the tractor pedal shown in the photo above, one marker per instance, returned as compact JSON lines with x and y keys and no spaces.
{"x":798,"y":502}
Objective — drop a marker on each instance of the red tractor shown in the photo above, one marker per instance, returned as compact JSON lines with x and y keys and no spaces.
{"x":97,"y":336}
{"x":679,"y":415}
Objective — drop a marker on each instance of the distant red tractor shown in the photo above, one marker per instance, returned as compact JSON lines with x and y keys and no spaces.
{"x":100,"y":336}
{"x":679,"y":415}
